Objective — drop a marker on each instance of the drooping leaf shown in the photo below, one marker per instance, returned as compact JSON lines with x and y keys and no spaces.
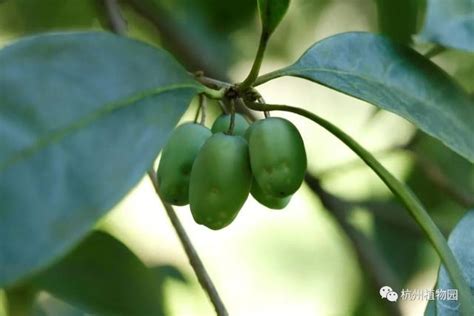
{"x":102,"y":276}
{"x":82,"y":117}
{"x":398,"y":19}
{"x":461,"y":242}
{"x":450,"y":23}
{"x":395,"y":78}
{"x":271,"y":14}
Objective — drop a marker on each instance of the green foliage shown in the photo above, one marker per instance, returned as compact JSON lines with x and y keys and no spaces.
{"x":398,"y":19}
{"x":277,"y":156}
{"x":450,"y":23}
{"x":71,"y":104}
{"x":460,"y":241}
{"x":220,"y":180}
{"x":394,"y":78}
{"x":103,"y":276}
{"x":177,"y":160}
{"x":31,"y":16}
{"x":222,"y":124}
{"x":271,"y":14}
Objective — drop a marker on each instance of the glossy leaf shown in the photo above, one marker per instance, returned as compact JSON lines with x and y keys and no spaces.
{"x":460,"y":241}
{"x":393,"y":77}
{"x":271,"y":14}
{"x":82,"y":117}
{"x":450,"y":23}
{"x":103,"y":276}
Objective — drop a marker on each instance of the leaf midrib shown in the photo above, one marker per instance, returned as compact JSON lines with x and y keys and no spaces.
{"x":58,"y":135}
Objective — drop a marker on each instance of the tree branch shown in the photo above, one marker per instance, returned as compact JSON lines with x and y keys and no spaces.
{"x":115,"y":18}
{"x":118,"y":25}
{"x":194,"y":260}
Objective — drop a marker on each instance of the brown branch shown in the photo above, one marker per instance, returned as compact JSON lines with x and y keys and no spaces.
{"x":194,"y":260}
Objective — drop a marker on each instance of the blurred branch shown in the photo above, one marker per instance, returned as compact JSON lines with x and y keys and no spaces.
{"x":177,"y":42}
{"x":192,"y":254}
{"x":115,"y":18}
{"x":440,"y":180}
{"x":377,"y":269}
{"x":429,"y":168}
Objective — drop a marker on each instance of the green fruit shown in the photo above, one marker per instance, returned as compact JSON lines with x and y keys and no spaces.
{"x":177,"y":159}
{"x":222,"y":124}
{"x":277,"y":156}
{"x":220,"y":180}
{"x":276,"y":203}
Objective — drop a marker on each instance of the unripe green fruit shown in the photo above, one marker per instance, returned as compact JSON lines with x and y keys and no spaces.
{"x":220,"y":180}
{"x":177,"y":159}
{"x":222,"y":124}
{"x":277,"y":156}
{"x":276,"y":203}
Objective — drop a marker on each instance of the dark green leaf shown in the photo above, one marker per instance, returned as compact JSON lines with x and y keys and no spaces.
{"x":103,"y":276}
{"x":271,"y":14}
{"x":461,"y":242}
{"x":395,"y":78}
{"x":450,"y":23}
{"x":82,"y":117}
{"x":398,"y":19}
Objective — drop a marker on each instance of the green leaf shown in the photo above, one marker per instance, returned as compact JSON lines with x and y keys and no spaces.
{"x":393,"y":77}
{"x":103,"y":276}
{"x":398,"y":19}
{"x":460,"y":241}
{"x":271,"y":14}
{"x":450,"y":23}
{"x":82,"y":117}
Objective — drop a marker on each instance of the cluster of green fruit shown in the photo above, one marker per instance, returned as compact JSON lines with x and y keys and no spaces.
{"x":215,"y":170}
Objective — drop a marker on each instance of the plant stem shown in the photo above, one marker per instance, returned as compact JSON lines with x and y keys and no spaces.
{"x":203,"y":107}
{"x":193,"y":257}
{"x":194,"y":260}
{"x":406,"y":196}
{"x":257,"y":63}
{"x":115,"y":17}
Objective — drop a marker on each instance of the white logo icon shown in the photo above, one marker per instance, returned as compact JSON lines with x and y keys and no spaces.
{"x":388,"y":293}
{"x":392,"y":296}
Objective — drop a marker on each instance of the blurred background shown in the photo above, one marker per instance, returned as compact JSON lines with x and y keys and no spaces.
{"x":343,"y":236}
